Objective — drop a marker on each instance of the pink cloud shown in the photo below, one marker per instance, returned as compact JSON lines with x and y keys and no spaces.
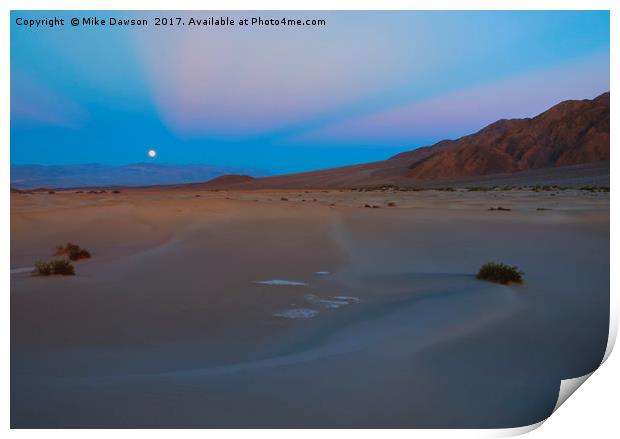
{"x":250,"y":82}
{"x":468,"y":110}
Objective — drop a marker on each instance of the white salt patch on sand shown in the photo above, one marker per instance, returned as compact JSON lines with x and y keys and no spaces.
{"x":349,"y":299}
{"x":332,"y":303}
{"x":281,"y":282}
{"x":22,"y":270}
{"x":297,"y":313}
{"x":321,"y":273}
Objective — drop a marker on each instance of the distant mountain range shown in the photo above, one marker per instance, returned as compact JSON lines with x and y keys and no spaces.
{"x":96,"y":175}
{"x":570,"y":138}
{"x":570,"y":133}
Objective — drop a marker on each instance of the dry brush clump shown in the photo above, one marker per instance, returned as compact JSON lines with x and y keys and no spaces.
{"x":500,"y":273}
{"x":62,"y":266}
{"x":57,"y":266}
{"x":43,"y":268}
{"x":72,"y":251}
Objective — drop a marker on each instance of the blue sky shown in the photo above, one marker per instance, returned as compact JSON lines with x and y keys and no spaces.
{"x":281,"y":99}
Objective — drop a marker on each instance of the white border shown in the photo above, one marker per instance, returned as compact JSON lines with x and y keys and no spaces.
{"x":596,"y":402}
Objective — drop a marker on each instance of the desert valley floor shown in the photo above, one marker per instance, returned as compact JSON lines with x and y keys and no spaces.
{"x":304,"y":308}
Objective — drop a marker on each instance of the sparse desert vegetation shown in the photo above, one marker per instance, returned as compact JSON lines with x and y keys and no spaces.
{"x":62,"y":266}
{"x":55,"y":267}
{"x":43,"y":268}
{"x":595,"y":188}
{"x":73,"y":251}
{"x":500,"y":273}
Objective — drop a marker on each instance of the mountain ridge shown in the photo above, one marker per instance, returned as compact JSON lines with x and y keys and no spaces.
{"x":570,"y":134}
{"x":29,"y":176}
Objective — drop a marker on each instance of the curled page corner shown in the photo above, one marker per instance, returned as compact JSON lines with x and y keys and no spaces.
{"x":517,"y":431}
{"x":613,"y":334}
{"x":568,"y":387}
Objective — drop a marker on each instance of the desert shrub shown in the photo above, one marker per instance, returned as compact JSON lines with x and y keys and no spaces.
{"x":72,"y":251}
{"x":499,"y":208}
{"x":57,"y":266}
{"x":43,"y":268}
{"x":62,"y":267}
{"x":71,"y":248}
{"x":391,"y":204}
{"x":500,"y":273}
{"x":283,"y":199}
{"x":116,"y":191}
{"x":80,"y":253}
{"x":66,"y":249}
{"x":382,"y":188}
{"x":595,"y":188}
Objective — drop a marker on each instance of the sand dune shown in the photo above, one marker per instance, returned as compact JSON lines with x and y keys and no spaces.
{"x":167,"y":326}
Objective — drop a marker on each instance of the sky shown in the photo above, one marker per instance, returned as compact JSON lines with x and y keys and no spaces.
{"x":282,"y":99}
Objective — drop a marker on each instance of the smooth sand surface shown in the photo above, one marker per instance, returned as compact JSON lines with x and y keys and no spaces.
{"x":304,"y":308}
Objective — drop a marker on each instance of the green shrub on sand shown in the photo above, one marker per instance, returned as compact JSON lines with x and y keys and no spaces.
{"x":43,"y":268}
{"x":57,"y":266}
{"x":72,"y":251}
{"x":500,"y":273}
{"x":62,"y":267}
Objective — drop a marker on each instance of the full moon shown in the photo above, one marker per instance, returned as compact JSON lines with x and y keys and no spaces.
{"x":152,"y":153}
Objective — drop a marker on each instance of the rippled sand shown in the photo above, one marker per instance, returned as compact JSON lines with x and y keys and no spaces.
{"x":237,"y":309}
